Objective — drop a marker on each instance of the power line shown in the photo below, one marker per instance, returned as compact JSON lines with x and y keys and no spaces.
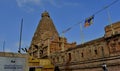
{"x":107,"y":6}
{"x":71,"y":27}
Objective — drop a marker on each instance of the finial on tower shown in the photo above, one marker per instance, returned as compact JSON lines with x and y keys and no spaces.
{"x":45,"y":14}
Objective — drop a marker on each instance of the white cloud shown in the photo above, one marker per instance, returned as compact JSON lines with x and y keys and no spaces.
{"x":71,"y":4}
{"x":62,"y":3}
{"x":29,"y":5}
{"x":22,"y":3}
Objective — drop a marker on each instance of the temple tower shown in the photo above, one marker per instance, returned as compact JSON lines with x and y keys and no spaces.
{"x":43,"y":35}
{"x":46,"y":39}
{"x":45,"y":29}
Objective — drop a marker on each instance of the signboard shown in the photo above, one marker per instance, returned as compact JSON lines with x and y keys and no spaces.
{"x":12,"y":64}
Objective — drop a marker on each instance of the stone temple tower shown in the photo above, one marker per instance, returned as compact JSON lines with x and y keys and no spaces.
{"x":43,"y":35}
{"x":45,"y":29}
{"x":46,"y":39}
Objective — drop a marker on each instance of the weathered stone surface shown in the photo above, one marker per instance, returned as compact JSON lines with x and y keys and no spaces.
{"x":91,"y":55}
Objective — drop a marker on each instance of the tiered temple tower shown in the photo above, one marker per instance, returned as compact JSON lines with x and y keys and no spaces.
{"x":45,"y":29}
{"x":46,"y":39}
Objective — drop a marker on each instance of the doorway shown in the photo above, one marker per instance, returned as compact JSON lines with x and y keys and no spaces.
{"x":32,"y":69}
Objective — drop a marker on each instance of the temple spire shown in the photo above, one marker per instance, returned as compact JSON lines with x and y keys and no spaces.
{"x":45,"y":29}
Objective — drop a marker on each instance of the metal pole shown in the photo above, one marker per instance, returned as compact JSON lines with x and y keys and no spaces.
{"x":81,"y":33}
{"x":4,"y":46}
{"x":110,"y":22}
{"x":20,"y":36}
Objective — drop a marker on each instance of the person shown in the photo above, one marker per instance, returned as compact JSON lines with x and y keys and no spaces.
{"x":104,"y":66}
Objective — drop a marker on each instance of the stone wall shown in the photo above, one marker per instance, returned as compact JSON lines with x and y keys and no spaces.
{"x":91,"y":55}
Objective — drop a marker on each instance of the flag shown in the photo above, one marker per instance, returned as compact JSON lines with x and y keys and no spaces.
{"x":89,"y":21}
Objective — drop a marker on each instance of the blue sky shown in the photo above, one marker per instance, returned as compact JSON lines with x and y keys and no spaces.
{"x":64,"y":14}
